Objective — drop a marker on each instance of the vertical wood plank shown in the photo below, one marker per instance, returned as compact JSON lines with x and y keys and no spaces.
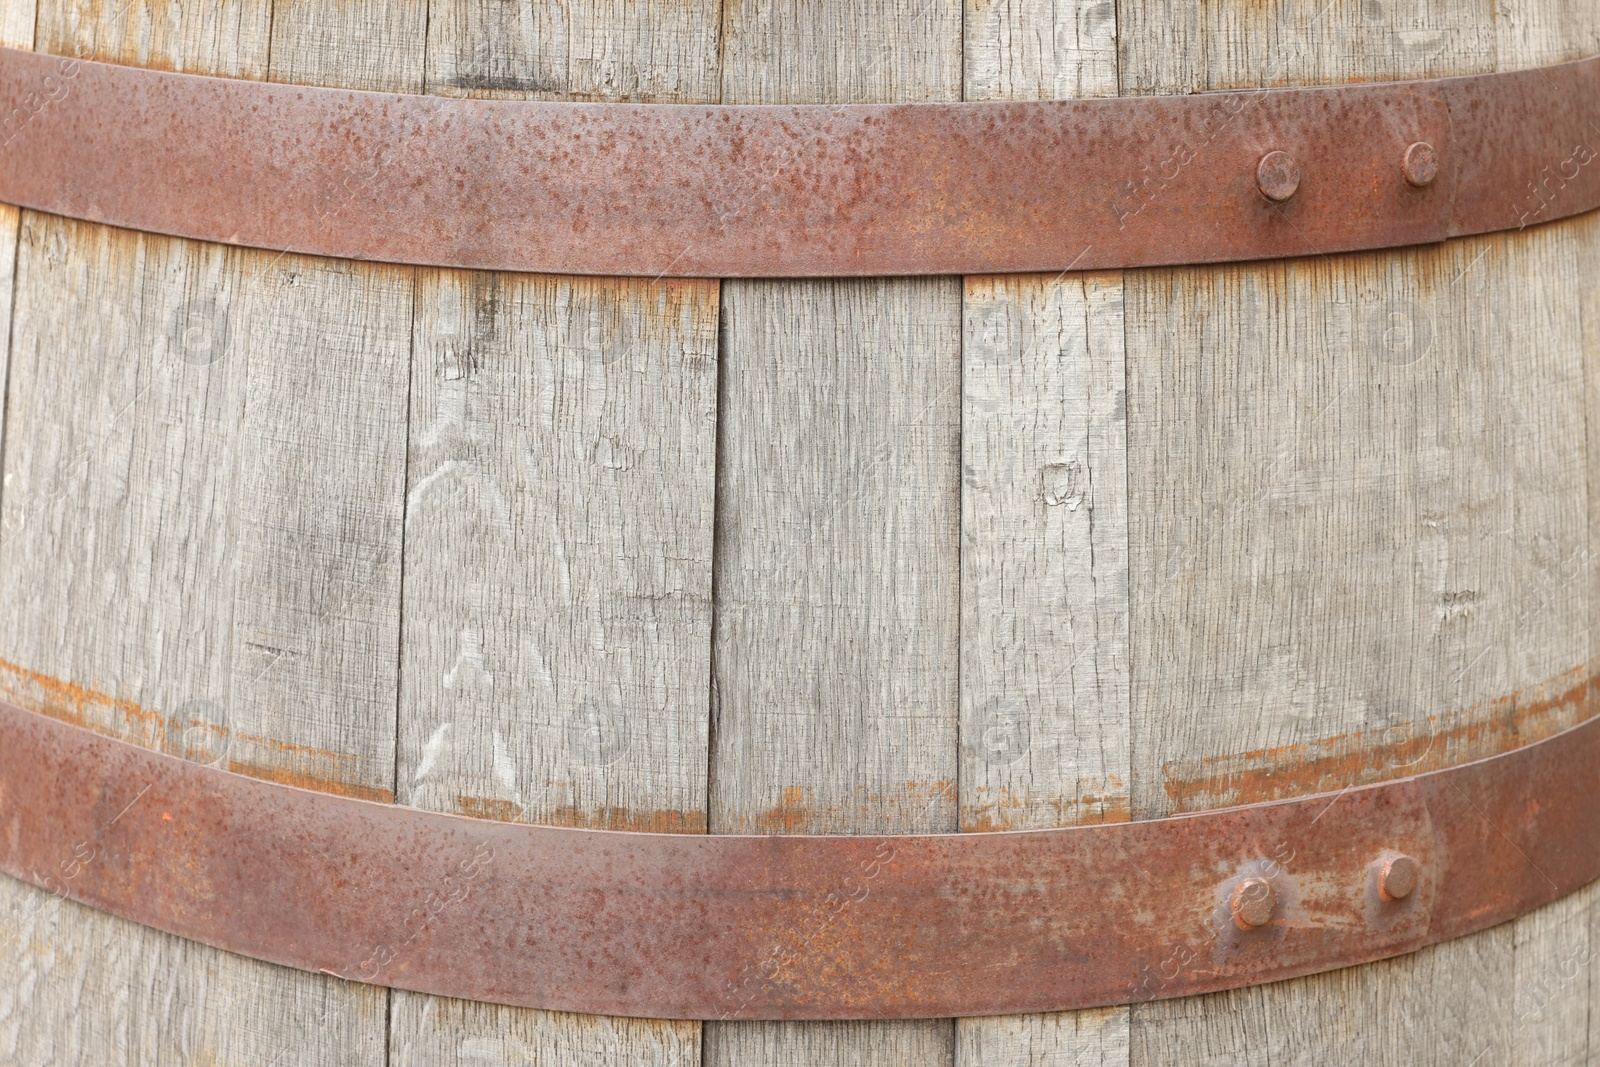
{"x":1552,"y":987}
{"x":137,"y":537}
{"x":1039,"y":49}
{"x":1044,"y":584}
{"x":1044,"y":542}
{"x":557,"y":633}
{"x":1044,"y":564}
{"x":17,"y":18}
{"x":1555,"y":978}
{"x":204,"y":487}
{"x":1589,"y":575}
{"x":1354,"y":498}
{"x":837,"y":607}
{"x":558,"y":577}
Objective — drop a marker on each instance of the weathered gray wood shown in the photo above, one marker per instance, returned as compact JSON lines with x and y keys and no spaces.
{"x":1532,"y":33}
{"x":1372,"y":570}
{"x":837,"y":516}
{"x":558,"y":583}
{"x":835,"y":638}
{"x":588,"y":50}
{"x":139,"y":537}
{"x":1552,"y":984}
{"x":1426,"y":1009}
{"x":1589,"y":575}
{"x":1044,"y":584}
{"x":1039,"y":49}
{"x":556,"y":661}
{"x":202,"y":513}
{"x":227,"y":37}
{"x":82,"y":987}
{"x":1044,"y":564}
{"x":1354,"y":495}
{"x":1172,"y":46}
{"x":439,"y":1032}
{"x":801,"y":52}
{"x":16,"y":31}
{"x":1044,"y":544}
{"x":1094,"y":1037}
{"x":374,"y":46}
{"x":1555,"y":979}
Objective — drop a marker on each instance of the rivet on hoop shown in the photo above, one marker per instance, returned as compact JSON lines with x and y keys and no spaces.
{"x":1253,"y":902}
{"x":1397,"y":877}
{"x":1277,"y":176}
{"x":1421,"y":164}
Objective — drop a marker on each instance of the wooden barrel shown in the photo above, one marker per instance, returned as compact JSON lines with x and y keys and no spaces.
{"x":799,"y":556}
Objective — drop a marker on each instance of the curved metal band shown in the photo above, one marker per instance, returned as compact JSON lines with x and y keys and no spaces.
{"x":692,"y":926}
{"x":775,"y":191}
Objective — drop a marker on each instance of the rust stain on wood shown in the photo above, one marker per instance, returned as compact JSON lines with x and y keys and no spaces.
{"x":799,"y":813}
{"x":1093,"y":802}
{"x":303,"y":780}
{"x":303,"y":766}
{"x":663,"y":821}
{"x":1370,"y":756}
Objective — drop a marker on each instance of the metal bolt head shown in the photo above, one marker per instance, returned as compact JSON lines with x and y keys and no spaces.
{"x":1397,"y":877}
{"x":1253,"y":902}
{"x":1278,"y":176}
{"x":1421,"y":164}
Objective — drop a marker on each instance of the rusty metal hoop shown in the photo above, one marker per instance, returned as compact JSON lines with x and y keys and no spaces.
{"x":775,"y":191}
{"x":788,"y":927}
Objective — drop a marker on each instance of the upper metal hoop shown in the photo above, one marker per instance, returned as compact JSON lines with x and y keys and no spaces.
{"x":775,"y":191}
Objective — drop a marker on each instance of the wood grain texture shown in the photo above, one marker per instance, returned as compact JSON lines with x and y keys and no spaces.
{"x":1172,"y":46}
{"x":1589,"y":578}
{"x":607,"y":50}
{"x":838,"y":502}
{"x":234,"y":619}
{"x":224,"y":37}
{"x":1044,"y":557}
{"x":1044,"y":546}
{"x":1039,"y":49}
{"x":204,"y":485}
{"x":17,"y":19}
{"x":83,"y":987}
{"x":1044,"y":584}
{"x":1533,"y":33}
{"x":1375,"y":555}
{"x":1356,"y":507}
{"x":802,"y":52}
{"x":556,"y":659}
{"x":558,"y":584}
{"x":1552,"y":988}
{"x":375,"y":46}
{"x":1435,"y":1007}
{"x":1555,"y":975}
{"x":1094,"y":1037}
{"x":439,"y":1032}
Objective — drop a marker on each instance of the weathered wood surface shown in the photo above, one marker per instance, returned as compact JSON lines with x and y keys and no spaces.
{"x":558,"y":585}
{"x":998,"y":554}
{"x":203,"y":489}
{"x":557,"y":612}
{"x":1356,"y":504}
{"x":1044,"y":528}
{"x":837,"y":604}
{"x":838,"y":502}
